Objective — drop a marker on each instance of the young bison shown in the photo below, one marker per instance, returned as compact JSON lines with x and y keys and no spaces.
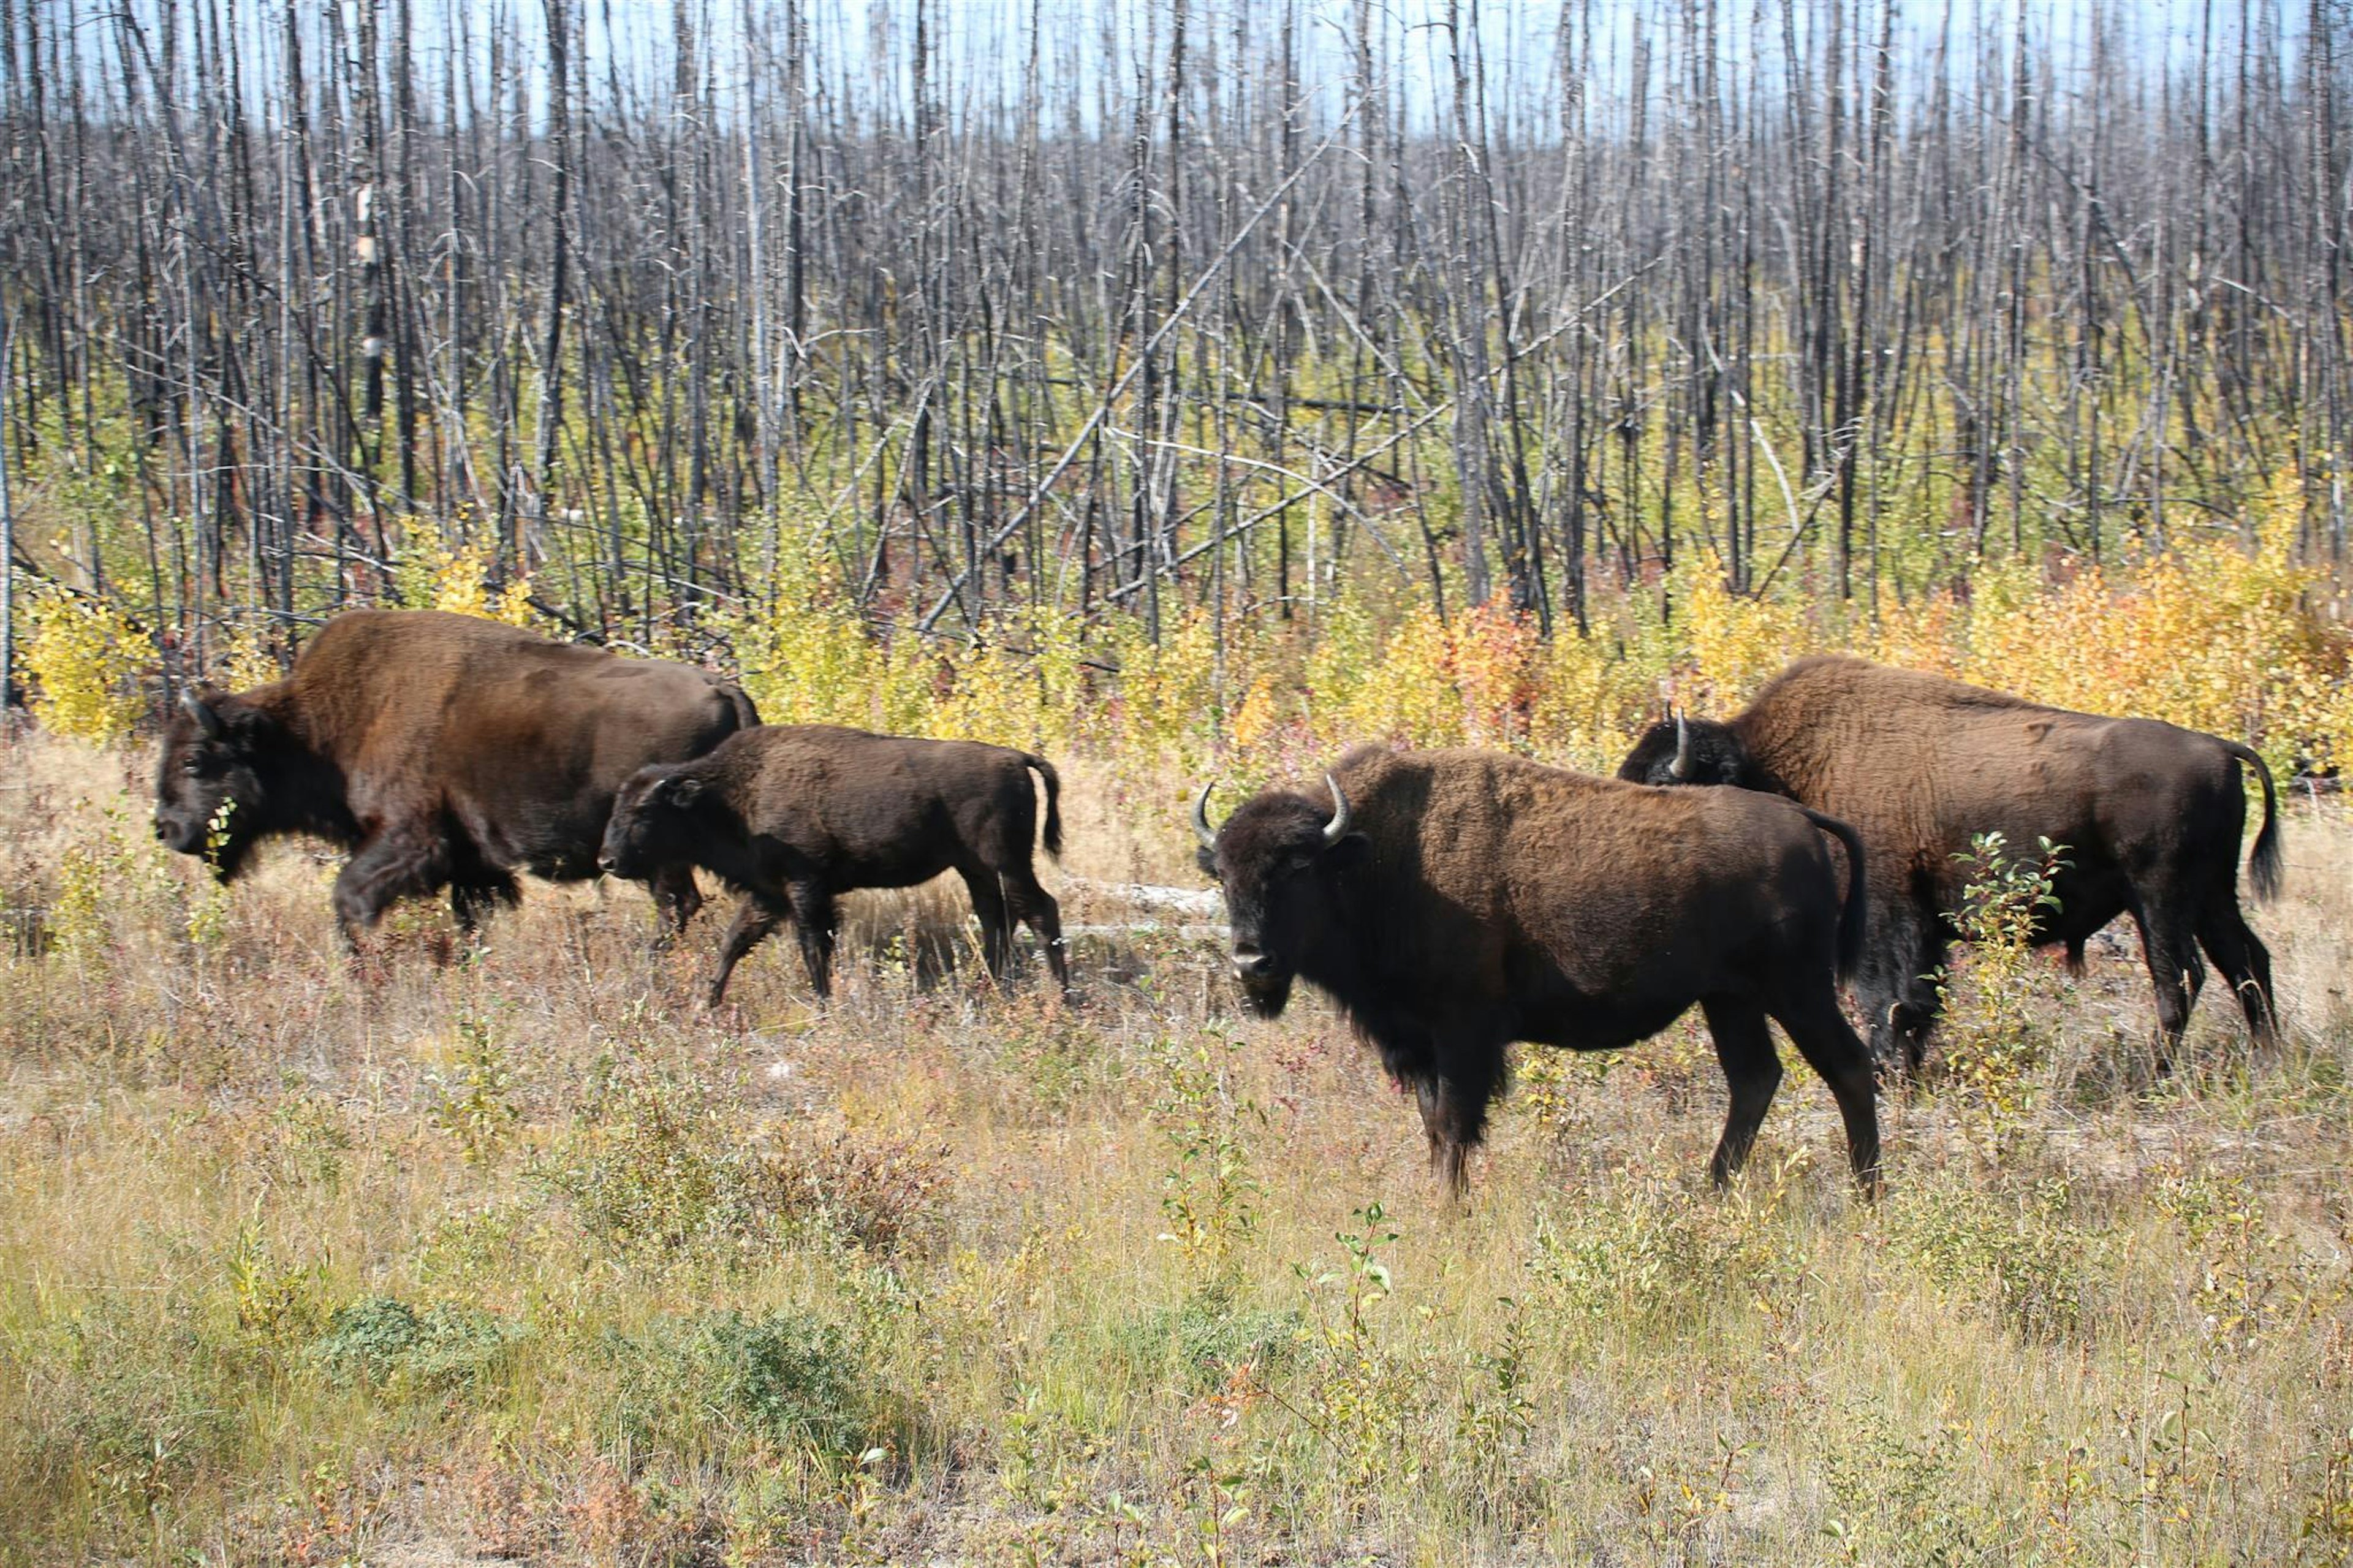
{"x":796,"y":814}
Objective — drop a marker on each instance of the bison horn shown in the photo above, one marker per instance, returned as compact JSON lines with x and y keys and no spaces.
{"x":1682,"y":765}
{"x":1201,"y":828}
{"x":1337,"y":829}
{"x":207,"y":719}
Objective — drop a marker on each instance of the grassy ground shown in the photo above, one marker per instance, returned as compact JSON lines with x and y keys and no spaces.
{"x":511,"y":1253}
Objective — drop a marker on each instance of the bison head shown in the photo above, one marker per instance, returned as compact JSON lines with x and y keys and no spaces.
{"x":1685,"y":751}
{"x":1279,"y":860}
{"x":650,"y":827}
{"x":211,"y":794}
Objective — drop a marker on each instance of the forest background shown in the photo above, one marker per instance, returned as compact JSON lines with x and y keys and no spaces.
{"x":1193,"y":378}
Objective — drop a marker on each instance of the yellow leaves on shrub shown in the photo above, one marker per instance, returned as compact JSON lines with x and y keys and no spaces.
{"x":1731,"y":644}
{"x":85,"y":658}
{"x":1475,"y":682}
{"x":461,"y":586}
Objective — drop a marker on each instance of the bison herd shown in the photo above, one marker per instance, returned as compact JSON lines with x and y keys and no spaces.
{"x":1448,"y":902}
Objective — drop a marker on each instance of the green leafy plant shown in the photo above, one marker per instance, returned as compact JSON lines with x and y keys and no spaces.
{"x":1998,"y":1031}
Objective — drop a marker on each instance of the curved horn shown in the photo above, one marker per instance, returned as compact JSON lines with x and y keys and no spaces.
{"x":1336,"y":829}
{"x":207,"y":719}
{"x":1201,"y":828}
{"x":1681,"y":765}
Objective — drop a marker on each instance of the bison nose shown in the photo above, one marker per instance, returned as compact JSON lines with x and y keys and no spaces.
{"x":1251,"y":964}
{"x":605,"y":864}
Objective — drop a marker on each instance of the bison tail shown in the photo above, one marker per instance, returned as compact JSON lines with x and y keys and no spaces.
{"x":746,"y":716}
{"x":1054,"y":802}
{"x":2263,"y":868}
{"x":1850,"y":915}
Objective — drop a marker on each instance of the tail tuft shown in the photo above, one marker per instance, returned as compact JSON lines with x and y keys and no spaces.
{"x":2264,"y":867}
{"x":1054,"y":802}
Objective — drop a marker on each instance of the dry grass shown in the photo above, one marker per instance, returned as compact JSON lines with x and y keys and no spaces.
{"x":510,"y":1253}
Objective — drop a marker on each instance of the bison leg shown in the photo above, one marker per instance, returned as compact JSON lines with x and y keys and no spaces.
{"x":1454,"y":1116}
{"x":756,"y":917}
{"x":814,"y":919}
{"x":390,"y":866}
{"x":1035,"y":907}
{"x":2169,"y":948}
{"x":677,"y":900}
{"x":1897,"y":998}
{"x":2244,"y":962}
{"x":1830,"y":1047}
{"x":1752,"y":1071}
{"x":471,"y":902}
{"x":995,"y":930}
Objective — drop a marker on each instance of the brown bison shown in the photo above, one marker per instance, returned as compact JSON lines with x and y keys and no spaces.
{"x":441,"y":750}
{"x":794,"y":814}
{"x":1452,"y":902}
{"x":2150,"y":816}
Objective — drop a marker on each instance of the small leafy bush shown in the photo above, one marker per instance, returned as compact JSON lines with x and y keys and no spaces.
{"x":85,"y":656}
{"x":697,"y":1381}
{"x":664,"y":1165}
{"x":381,"y":1342}
{"x":2018,"y":1253}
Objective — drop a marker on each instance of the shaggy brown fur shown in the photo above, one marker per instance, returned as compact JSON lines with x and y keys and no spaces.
{"x":2150,"y":816}
{"x":796,"y":814}
{"x":441,"y":750}
{"x":1476,"y":899}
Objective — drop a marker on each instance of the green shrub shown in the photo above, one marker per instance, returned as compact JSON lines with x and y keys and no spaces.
{"x":383,"y":1342}
{"x":699,"y":1381}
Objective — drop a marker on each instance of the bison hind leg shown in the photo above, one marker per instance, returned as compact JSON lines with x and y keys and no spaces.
{"x":1752,"y":1071}
{"x":1829,"y":1043}
{"x":2245,"y":964}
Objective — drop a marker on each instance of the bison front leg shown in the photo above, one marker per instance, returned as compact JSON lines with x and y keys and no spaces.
{"x":1897,"y":998}
{"x":1752,"y":1072}
{"x":756,"y":917}
{"x":1453,"y":1100}
{"x":677,"y":900}
{"x":814,"y":919}
{"x":471,"y":901}
{"x":393,"y":864}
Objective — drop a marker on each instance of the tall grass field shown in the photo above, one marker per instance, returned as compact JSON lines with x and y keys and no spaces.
{"x":507,"y":1252}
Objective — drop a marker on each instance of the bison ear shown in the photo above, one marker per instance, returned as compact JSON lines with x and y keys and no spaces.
{"x":680,"y":790}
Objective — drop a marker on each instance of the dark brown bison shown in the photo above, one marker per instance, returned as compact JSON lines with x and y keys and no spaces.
{"x":1452,"y":902}
{"x":2149,"y":815}
{"x":441,"y":750}
{"x":796,"y":814}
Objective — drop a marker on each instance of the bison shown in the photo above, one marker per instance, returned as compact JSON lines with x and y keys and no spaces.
{"x":1451,"y":902}
{"x":441,"y":750}
{"x":794,"y":814}
{"x":2150,"y":816}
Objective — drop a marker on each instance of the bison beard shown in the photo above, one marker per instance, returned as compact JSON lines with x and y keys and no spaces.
{"x":797,"y":815}
{"x":1452,"y":902}
{"x":2150,"y":815}
{"x":441,"y":750}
